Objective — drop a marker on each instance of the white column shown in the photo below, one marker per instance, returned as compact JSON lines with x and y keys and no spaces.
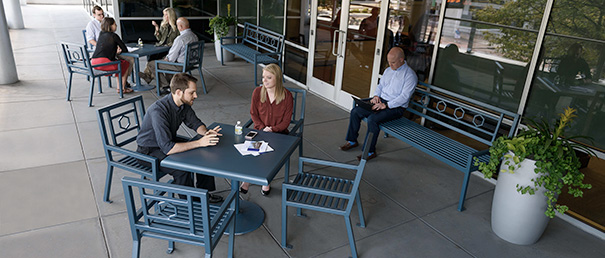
{"x":8,"y":69}
{"x":14,"y":17}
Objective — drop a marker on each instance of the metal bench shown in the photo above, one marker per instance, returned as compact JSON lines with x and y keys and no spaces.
{"x":257,"y":45}
{"x":479,"y":121}
{"x":160,"y":213}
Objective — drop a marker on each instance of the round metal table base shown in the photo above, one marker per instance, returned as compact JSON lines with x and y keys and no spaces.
{"x":250,"y":217}
{"x":143,"y":87}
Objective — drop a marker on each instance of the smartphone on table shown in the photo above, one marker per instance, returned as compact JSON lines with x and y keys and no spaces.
{"x":250,"y":135}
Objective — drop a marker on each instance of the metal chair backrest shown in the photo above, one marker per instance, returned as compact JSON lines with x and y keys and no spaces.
{"x":194,"y":55}
{"x":86,"y":43}
{"x":120,"y":122}
{"x":76,"y":58}
{"x":176,"y":213}
{"x":298,"y":111}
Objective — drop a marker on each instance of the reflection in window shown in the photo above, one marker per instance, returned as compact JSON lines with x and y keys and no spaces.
{"x":246,"y":12}
{"x":491,"y":62}
{"x":224,"y":10}
{"x":142,"y":8}
{"x":194,"y":8}
{"x":298,"y":22}
{"x":295,"y":65}
{"x":272,"y":15}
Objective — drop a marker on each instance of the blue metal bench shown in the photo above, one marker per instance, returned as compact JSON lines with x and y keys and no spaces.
{"x":325,"y":193}
{"x":298,"y":115}
{"x":160,"y":213}
{"x":479,"y":121}
{"x":257,"y":45}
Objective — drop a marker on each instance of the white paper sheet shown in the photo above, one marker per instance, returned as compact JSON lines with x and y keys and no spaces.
{"x":243,"y":148}
{"x":130,"y":49}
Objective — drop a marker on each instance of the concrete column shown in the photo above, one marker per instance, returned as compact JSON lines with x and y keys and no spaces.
{"x":14,"y":17}
{"x":8,"y":69}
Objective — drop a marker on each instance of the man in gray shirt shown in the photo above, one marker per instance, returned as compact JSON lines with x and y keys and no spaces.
{"x":175,"y":54}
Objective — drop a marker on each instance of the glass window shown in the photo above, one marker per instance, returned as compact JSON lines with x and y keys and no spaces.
{"x":570,"y":69}
{"x":298,"y":22}
{"x":190,"y":8}
{"x":246,"y":12}
{"x":227,"y":7}
{"x":488,"y":60}
{"x":272,"y":15}
{"x":295,"y":64}
{"x":142,"y":8}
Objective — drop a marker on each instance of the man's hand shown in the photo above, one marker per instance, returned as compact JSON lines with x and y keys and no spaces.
{"x":214,"y":131}
{"x":379,"y":106}
{"x":375,"y":100}
{"x":268,"y":129}
{"x":208,"y":140}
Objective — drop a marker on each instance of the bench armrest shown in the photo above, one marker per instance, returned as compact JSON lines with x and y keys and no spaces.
{"x":287,"y":186}
{"x":303,"y":160}
{"x":472,"y":166}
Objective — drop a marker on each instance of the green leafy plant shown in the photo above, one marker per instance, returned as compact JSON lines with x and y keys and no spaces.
{"x":219,"y":25}
{"x":556,"y":162}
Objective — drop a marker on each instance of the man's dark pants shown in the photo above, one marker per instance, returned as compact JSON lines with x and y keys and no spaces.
{"x":180,"y":177}
{"x":374,"y":119}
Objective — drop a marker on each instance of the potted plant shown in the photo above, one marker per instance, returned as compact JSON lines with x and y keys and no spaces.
{"x":535,"y":166}
{"x":222,"y":26}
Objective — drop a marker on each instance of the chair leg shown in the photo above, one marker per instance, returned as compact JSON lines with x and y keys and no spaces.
{"x":108,"y":178}
{"x":351,"y":237}
{"x":222,"y":63}
{"x":362,"y":221}
{"x":202,"y":79}
{"x":157,"y":80}
{"x":231,"y":236}
{"x":284,"y":220}
{"x":92,"y":89}
{"x":100,"y":86}
{"x":136,"y":246}
{"x":255,"y":81}
{"x":71,"y":75}
{"x":299,"y":213}
{"x":109,"y":81}
{"x":170,"y":247}
{"x":120,"y":85}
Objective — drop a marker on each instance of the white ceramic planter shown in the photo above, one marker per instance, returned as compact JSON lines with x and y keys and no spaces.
{"x":519,"y":218}
{"x":228,"y":56}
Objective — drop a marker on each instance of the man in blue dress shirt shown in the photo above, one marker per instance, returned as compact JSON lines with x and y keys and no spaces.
{"x":390,"y":100}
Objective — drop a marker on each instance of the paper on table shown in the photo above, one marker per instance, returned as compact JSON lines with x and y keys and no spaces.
{"x":130,"y":49}
{"x":243,"y":149}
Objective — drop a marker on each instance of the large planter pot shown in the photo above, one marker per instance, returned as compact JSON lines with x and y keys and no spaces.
{"x":228,"y":56}
{"x":519,"y":218}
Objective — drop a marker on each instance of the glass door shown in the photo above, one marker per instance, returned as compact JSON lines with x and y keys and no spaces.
{"x":344,"y":42}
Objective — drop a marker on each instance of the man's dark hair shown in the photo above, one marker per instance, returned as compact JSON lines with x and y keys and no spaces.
{"x":180,"y":81}
{"x":96,"y":8}
{"x":106,"y":24}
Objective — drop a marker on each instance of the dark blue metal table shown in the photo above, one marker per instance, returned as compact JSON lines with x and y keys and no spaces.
{"x":146,"y":50}
{"x":223,"y":160}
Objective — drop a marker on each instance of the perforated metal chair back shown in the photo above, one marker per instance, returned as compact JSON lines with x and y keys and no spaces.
{"x":77,"y":59}
{"x":194,"y":55}
{"x":119,"y":125}
{"x":178,"y":214}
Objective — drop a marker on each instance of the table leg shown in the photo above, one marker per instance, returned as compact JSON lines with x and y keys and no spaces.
{"x":249,"y":217}
{"x":137,"y":79}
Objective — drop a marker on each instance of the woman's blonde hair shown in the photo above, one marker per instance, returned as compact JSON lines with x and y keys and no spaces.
{"x":171,"y":19}
{"x":280,"y":91}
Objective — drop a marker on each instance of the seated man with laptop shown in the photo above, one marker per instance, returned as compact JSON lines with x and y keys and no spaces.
{"x":390,"y":100}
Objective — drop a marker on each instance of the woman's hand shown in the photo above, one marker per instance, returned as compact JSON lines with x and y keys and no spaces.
{"x":268,"y":129}
{"x":119,"y":50}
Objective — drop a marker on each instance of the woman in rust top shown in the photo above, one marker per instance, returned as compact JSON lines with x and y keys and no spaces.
{"x":271,"y":109}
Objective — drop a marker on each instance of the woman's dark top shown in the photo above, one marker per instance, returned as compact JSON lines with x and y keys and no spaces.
{"x":107,"y":45}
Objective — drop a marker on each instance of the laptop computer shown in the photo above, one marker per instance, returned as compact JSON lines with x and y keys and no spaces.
{"x":363,"y":103}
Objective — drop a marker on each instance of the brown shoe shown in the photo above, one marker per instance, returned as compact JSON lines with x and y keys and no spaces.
{"x":348,"y":146}
{"x":369,"y":156}
{"x":145,"y":77}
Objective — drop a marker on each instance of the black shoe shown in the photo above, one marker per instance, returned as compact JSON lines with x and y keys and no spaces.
{"x":242,"y":190}
{"x":265,"y":193}
{"x":164,"y":91}
{"x":212,"y":198}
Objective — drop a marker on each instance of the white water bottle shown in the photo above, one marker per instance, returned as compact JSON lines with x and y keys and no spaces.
{"x":140,"y":42}
{"x":238,"y":128}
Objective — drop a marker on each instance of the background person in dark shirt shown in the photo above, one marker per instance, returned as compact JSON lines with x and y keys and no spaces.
{"x":573,"y":69}
{"x":158,"y":136}
{"x":109,"y":45}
